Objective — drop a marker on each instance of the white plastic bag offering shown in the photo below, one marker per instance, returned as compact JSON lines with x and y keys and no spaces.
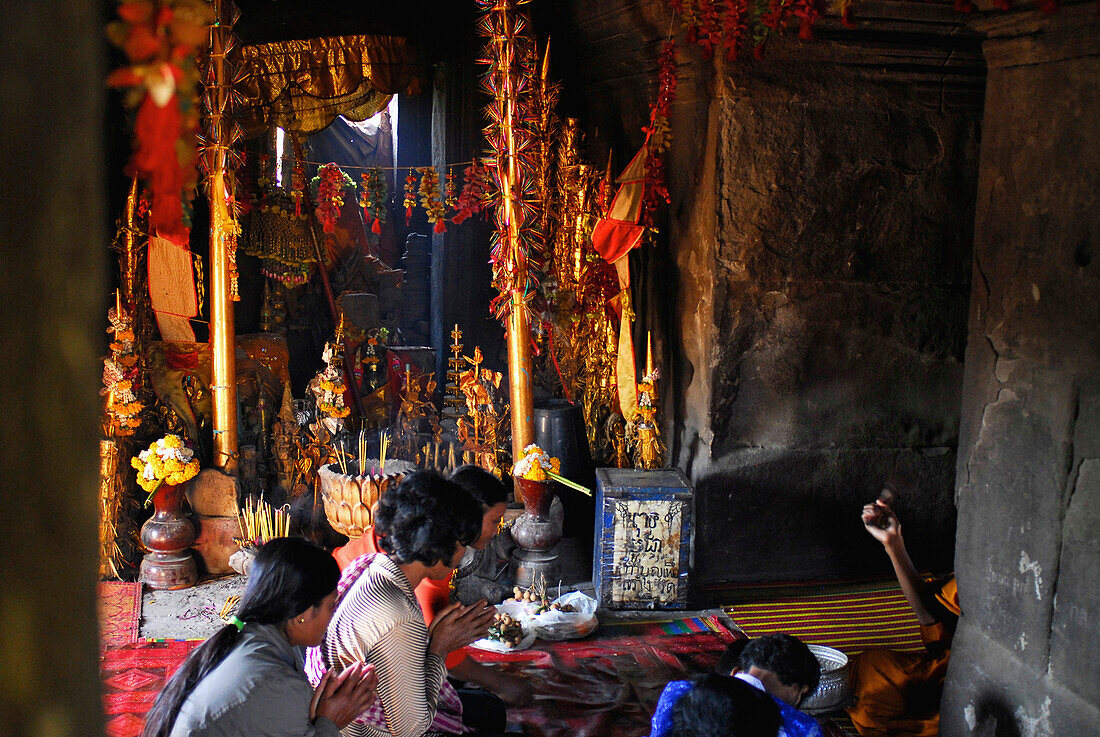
{"x":558,"y":625}
{"x":517,"y":611}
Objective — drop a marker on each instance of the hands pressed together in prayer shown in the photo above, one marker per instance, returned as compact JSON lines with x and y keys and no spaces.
{"x":459,"y":625}
{"x":340,"y":697}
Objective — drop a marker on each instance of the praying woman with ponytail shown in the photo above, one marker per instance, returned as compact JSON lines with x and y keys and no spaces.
{"x":248,"y":679}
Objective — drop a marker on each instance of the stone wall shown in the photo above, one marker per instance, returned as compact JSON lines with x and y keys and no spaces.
{"x":1025,"y":656}
{"x":820,"y":235}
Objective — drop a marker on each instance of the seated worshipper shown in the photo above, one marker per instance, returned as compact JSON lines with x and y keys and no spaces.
{"x":247,"y":679}
{"x":434,"y":594}
{"x":422,"y":527}
{"x":717,"y":706}
{"x":899,"y":693}
{"x":783,"y":667}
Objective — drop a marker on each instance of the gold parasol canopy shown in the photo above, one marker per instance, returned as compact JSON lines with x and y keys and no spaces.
{"x":302,"y":85}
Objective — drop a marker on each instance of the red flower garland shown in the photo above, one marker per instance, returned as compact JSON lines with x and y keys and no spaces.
{"x":475,"y":193}
{"x":658,"y":135}
{"x":410,"y":196}
{"x":160,"y":41}
{"x":330,"y":196}
{"x":735,"y":27}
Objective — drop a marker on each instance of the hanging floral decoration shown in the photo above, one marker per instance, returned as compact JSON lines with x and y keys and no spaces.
{"x":659,"y":135}
{"x":328,"y":190}
{"x":298,"y":188}
{"x":511,"y":58}
{"x":451,"y":192}
{"x":477,"y":191}
{"x":429,"y":198}
{"x":120,"y":373}
{"x":373,"y":199}
{"x":160,"y":40}
{"x":278,"y":237}
{"x":410,"y":196}
{"x":727,"y":23}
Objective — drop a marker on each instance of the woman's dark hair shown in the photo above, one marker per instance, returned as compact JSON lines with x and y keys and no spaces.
{"x":288,"y":576}
{"x":718,"y":706}
{"x":424,"y":517}
{"x":486,"y":488}
{"x":784,"y":655}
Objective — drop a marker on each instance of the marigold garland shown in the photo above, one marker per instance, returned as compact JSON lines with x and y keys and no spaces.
{"x":451,"y":199}
{"x":373,"y":199}
{"x":120,"y":372}
{"x":166,"y":461}
{"x":429,"y":198}
{"x":410,"y":196}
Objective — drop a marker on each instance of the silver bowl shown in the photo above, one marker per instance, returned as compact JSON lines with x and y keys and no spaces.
{"x":835,"y":689}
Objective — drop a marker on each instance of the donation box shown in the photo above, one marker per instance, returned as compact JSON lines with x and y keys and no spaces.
{"x":644,"y":525}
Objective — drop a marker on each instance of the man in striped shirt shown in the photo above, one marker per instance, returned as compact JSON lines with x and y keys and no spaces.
{"x":422,"y":526}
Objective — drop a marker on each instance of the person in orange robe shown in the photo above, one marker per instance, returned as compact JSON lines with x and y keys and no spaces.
{"x":898,"y":694}
{"x":435,"y":594}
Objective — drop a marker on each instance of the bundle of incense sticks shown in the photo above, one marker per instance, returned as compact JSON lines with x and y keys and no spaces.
{"x":362,"y":452}
{"x":260,"y":522}
{"x":384,"y":443}
{"x":341,"y":458}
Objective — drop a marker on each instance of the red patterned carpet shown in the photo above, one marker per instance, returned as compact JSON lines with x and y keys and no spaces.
{"x":607,"y":685}
{"x":133,"y":675}
{"x":119,"y":605}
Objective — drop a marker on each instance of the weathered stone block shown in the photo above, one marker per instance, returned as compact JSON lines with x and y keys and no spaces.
{"x":990,"y":692}
{"x":212,"y":493}
{"x":214,"y":544}
{"x":1075,"y":634}
{"x":1010,"y":506}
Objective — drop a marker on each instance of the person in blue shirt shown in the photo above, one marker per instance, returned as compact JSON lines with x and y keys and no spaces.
{"x":779,"y":665}
{"x":719,"y":706}
{"x":783,"y":667}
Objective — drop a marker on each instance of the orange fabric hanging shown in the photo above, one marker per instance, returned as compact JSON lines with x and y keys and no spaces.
{"x":613,"y":238}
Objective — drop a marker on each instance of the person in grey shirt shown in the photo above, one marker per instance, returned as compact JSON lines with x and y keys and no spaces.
{"x":248,"y":680}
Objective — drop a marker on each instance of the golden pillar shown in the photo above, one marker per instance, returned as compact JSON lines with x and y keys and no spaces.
{"x":508,"y":70}
{"x":223,"y":388}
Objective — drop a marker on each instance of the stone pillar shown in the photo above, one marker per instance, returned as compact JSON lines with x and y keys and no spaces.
{"x":1025,"y":657}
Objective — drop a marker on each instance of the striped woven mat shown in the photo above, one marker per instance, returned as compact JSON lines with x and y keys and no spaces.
{"x":851,"y":621}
